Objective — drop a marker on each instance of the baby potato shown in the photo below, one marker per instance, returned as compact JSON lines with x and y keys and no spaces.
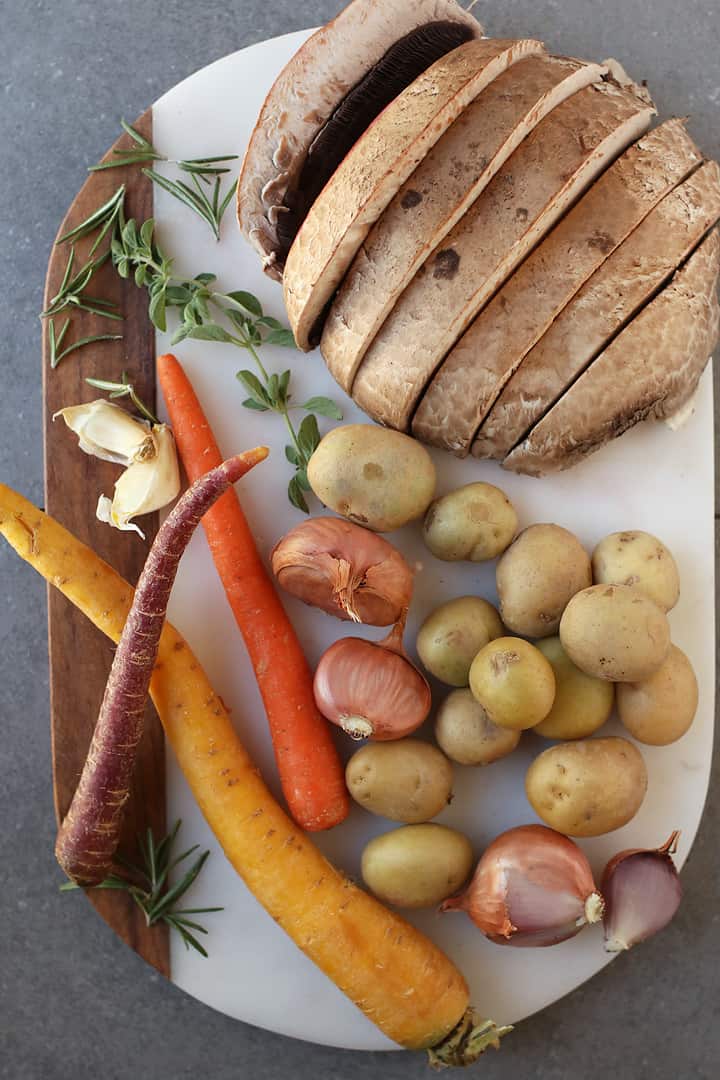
{"x":615,"y":632}
{"x":373,"y":476}
{"x":513,"y":682}
{"x":475,"y":522}
{"x":453,"y":635}
{"x":537,"y":576}
{"x":417,"y":866}
{"x":404,"y":780}
{"x":587,"y":788}
{"x":582,"y":703}
{"x":639,"y":559}
{"x":661,"y":708}
{"x":466,"y":733}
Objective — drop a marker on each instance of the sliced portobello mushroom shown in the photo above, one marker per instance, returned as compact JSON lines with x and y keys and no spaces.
{"x":436,"y":196}
{"x":640,"y":267}
{"x":467,"y":384}
{"x":550,"y":169}
{"x":650,"y":370}
{"x":378,"y":164}
{"x":325,"y":97}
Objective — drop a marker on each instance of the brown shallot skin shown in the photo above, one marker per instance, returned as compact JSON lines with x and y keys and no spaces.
{"x":371,"y":689}
{"x":90,"y":832}
{"x":532,"y":887}
{"x":345,"y":570}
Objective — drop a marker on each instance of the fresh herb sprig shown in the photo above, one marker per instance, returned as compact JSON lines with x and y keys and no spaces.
{"x":121,"y":389}
{"x":71,"y":294}
{"x":244,"y":324}
{"x":209,"y":171}
{"x":55,"y":341}
{"x":149,"y":887}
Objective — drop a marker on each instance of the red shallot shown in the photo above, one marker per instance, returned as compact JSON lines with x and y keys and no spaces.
{"x":642,"y":891}
{"x":345,"y":570}
{"x":532,"y":886}
{"x":371,"y":689}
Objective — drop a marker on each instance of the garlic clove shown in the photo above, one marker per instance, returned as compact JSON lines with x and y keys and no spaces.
{"x":108,"y":432}
{"x":642,"y":891}
{"x":145,"y":486}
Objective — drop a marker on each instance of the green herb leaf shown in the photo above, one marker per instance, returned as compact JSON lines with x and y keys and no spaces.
{"x":254,"y":387}
{"x":295,"y":495}
{"x":308,"y":436}
{"x":250,"y":403}
{"x":246,"y":301}
{"x":324,"y":406}
{"x":210,"y":332}
{"x":302,"y":480}
{"x":156,"y":310}
{"x":292,"y":455}
{"x":281,"y":337}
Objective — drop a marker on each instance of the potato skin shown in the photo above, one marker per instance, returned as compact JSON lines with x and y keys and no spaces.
{"x":640,"y":559}
{"x":582,"y":703}
{"x":373,"y":476}
{"x":475,"y":522}
{"x":453,"y":634}
{"x":404,"y":780}
{"x":660,"y":709}
{"x":466,"y":733}
{"x":537,"y":576}
{"x":513,"y":682}
{"x":615,"y":632}
{"x":587,"y":788}
{"x":417,"y":866}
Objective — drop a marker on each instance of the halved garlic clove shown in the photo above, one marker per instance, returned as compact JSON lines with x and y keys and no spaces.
{"x":145,"y":486}
{"x":106,"y":431}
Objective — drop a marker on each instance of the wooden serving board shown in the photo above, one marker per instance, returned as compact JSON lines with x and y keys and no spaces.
{"x":80,"y":656}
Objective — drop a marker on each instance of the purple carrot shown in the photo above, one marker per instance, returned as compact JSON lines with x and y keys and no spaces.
{"x":89,"y":835}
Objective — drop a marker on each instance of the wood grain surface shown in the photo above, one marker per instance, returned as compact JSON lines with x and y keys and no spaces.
{"x":80,"y":656}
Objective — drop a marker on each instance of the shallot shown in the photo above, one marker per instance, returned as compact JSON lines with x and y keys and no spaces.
{"x":642,"y":891}
{"x":532,"y":886}
{"x":345,"y":570}
{"x":371,"y":689}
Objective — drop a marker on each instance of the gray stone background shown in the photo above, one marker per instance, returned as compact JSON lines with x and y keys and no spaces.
{"x":74,"y":1002}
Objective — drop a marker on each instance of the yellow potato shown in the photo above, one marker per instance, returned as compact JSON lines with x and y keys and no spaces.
{"x":582,"y":703}
{"x":466,"y":733}
{"x":615,"y":632}
{"x":660,"y":709}
{"x":640,"y":559}
{"x":587,"y":788}
{"x":513,"y":682}
{"x":475,"y":522}
{"x":537,"y":576}
{"x":417,"y":866}
{"x":453,"y":635}
{"x":373,"y":476}
{"x":404,"y":780}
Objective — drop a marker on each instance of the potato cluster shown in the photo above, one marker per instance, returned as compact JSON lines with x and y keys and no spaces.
{"x":574,"y":635}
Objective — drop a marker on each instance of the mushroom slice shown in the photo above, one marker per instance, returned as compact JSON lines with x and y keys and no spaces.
{"x":334,"y":62}
{"x":475,"y":371}
{"x":550,"y":169}
{"x":650,"y":370}
{"x":437,"y":195}
{"x":609,"y":300}
{"x":378,"y":164}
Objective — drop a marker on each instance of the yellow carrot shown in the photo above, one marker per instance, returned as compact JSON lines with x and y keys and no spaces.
{"x":400,"y":979}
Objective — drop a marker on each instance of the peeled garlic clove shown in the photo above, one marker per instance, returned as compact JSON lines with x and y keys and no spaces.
{"x":642,"y":891}
{"x":106,"y":431}
{"x":145,"y":486}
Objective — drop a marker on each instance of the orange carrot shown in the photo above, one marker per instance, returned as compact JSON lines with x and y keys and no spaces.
{"x":310,"y":771}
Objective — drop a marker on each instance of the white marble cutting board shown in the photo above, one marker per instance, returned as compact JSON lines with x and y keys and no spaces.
{"x":650,"y":479}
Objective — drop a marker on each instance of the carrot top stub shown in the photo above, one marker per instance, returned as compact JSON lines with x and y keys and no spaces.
{"x":89,"y":835}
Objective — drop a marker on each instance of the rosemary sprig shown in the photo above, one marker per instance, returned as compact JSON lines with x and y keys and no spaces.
{"x":124,"y":388}
{"x":148,"y":886}
{"x":103,"y":219}
{"x":56,"y":339}
{"x":209,"y":170}
{"x":244,"y":324}
{"x":71,"y":293}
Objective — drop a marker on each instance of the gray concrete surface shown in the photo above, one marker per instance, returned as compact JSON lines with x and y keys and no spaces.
{"x":74,"y":1002}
